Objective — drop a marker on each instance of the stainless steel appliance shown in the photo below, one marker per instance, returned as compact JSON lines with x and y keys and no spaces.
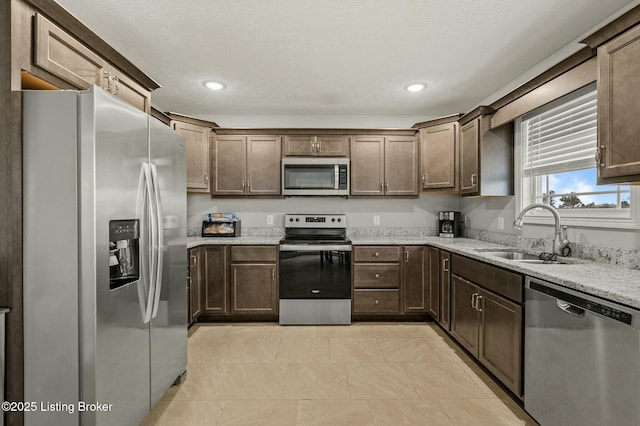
{"x":315,"y":270}
{"x":105,"y":261}
{"x":581,"y":358}
{"x":315,"y":176}
{"x":449,"y":224}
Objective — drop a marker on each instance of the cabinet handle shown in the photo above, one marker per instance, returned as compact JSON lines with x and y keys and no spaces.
{"x":243,"y":185}
{"x":474,"y":301}
{"x":107,"y":75}
{"x":116,"y":80}
{"x":377,"y":276}
{"x":445,"y":265}
{"x":473,"y":179}
{"x":189,"y":282}
{"x":249,"y":185}
{"x":319,"y":146}
{"x":193,"y":260}
{"x":424,"y":179}
{"x":406,"y":256}
{"x":600,"y":156}
{"x":377,"y":254}
{"x":376,"y":302}
{"x":206,"y":178}
{"x":479,"y":299}
{"x":273,"y":274}
{"x":386,"y":187}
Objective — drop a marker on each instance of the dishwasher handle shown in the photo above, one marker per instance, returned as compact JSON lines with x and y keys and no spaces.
{"x":570,"y":309}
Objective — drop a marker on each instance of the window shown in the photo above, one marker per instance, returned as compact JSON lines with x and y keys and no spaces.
{"x":555,"y":156}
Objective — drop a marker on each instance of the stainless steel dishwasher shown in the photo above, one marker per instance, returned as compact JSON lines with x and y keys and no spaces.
{"x":581,"y":358}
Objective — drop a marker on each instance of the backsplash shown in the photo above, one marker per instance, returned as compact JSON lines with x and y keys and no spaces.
{"x":390,"y":232}
{"x":246,"y":232}
{"x":596,"y":253}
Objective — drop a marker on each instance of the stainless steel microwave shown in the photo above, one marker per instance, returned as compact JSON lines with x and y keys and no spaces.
{"x":315,"y":176}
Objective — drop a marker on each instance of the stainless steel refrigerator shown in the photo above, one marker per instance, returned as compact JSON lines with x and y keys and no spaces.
{"x":105,"y":261}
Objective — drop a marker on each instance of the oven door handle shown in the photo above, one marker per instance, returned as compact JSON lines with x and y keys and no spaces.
{"x":324,"y":247}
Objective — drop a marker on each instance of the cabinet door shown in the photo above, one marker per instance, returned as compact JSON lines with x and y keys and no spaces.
{"x":469,"y":160}
{"x":254,"y":288}
{"x":445,"y":289}
{"x":195,"y":293}
{"x":215,"y":280}
{"x":438,"y":150}
{"x":332,"y":146}
{"x":65,"y":57}
{"x":197,"y":153}
{"x":401,"y":166}
{"x":415,"y":280}
{"x":263,"y":165}
{"x":299,"y":145}
{"x":433,"y":259}
{"x":464,"y":317}
{"x":129,"y":91}
{"x":618,"y":104}
{"x":367,"y":165}
{"x":500,"y":348}
{"x":229,"y":165}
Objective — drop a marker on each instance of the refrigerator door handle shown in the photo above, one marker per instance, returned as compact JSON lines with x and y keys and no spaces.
{"x":154,"y":242}
{"x":160,"y":238}
{"x":143,"y":284}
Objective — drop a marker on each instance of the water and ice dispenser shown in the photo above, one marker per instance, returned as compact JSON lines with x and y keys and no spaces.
{"x":124,"y":258}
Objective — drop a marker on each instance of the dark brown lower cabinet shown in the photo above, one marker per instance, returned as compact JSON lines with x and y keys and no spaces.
{"x":490,"y":327}
{"x":433,"y":259}
{"x":254,"y":279}
{"x":254,"y":288}
{"x":445,"y":290}
{"x":416,"y":292}
{"x":216,"y":298}
{"x":195,"y":293}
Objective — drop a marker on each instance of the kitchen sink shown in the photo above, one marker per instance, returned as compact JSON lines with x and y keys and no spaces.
{"x":519,"y":256}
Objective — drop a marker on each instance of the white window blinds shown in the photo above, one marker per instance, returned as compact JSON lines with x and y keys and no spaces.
{"x":562,"y":138}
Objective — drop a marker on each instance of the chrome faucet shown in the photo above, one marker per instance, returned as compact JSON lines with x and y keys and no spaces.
{"x":560,"y":242}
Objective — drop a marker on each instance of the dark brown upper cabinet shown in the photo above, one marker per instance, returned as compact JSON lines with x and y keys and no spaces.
{"x":246,"y":165}
{"x":197,"y":141}
{"x":322,"y":146}
{"x":384,"y":165}
{"x":618,"y":154}
{"x":486,"y":155}
{"x":439,"y":157}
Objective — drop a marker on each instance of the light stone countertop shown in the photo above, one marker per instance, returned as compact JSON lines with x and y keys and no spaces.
{"x":614,"y":283}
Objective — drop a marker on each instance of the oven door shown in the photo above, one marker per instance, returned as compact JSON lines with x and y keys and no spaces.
{"x":315,"y":271}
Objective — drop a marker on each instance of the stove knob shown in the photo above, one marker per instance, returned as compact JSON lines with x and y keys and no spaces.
{"x":297,"y":219}
{"x":339,"y":220}
{"x":333,"y":219}
{"x":290,"y":219}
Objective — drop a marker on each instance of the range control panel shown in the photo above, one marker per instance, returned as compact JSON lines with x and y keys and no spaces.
{"x":315,"y":221}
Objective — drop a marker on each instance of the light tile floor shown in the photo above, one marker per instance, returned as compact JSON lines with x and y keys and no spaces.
{"x":363,"y":374}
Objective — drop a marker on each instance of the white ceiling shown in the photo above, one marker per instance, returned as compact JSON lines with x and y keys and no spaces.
{"x":336,"y":57}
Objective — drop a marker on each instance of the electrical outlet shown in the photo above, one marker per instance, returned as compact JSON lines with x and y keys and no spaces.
{"x":269,"y":219}
{"x":500,"y":222}
{"x":376,"y":220}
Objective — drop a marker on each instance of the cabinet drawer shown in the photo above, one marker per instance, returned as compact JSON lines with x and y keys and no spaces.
{"x":254,"y":253}
{"x":376,"y":276}
{"x":498,"y":280}
{"x":376,"y":301}
{"x":376,"y":254}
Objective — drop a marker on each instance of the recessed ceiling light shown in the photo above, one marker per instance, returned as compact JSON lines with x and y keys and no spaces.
{"x":214,"y":85}
{"x":415,"y":87}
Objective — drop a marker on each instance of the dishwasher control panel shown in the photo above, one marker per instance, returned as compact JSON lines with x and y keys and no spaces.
{"x":590,"y":305}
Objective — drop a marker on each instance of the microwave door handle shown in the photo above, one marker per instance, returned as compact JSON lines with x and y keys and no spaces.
{"x":160,"y":239}
{"x":336,"y":179}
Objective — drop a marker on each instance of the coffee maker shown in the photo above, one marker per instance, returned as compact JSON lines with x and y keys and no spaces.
{"x":449,"y":224}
